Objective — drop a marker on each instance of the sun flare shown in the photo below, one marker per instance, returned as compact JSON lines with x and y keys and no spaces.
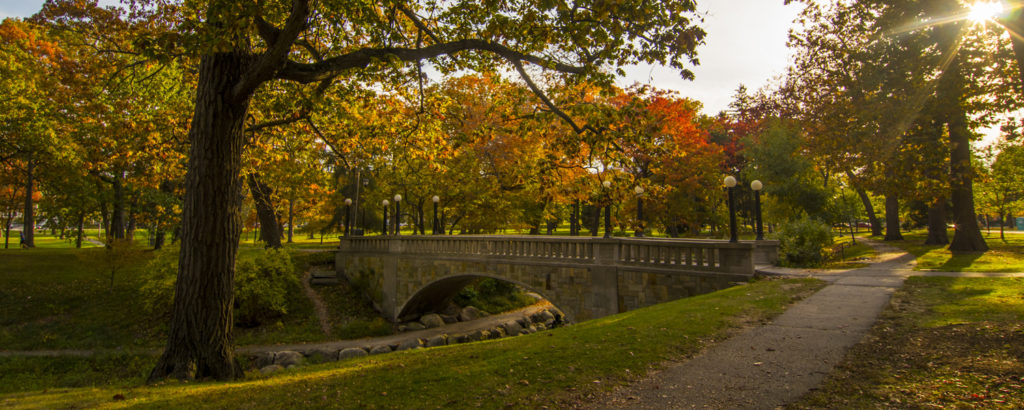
{"x":982,"y":11}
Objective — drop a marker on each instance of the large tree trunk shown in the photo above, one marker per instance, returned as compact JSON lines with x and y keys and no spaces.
{"x":270,"y":231}
{"x":892,"y":218}
{"x":937,"y":234}
{"x":28,"y":219}
{"x":199,"y":343}
{"x":967,"y":236}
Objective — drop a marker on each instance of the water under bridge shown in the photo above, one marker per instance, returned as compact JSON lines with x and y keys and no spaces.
{"x":586,"y":277}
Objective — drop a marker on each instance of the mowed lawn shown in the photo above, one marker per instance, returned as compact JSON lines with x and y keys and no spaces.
{"x":1001,"y":257}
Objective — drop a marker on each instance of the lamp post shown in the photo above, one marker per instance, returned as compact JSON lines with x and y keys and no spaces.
{"x":435,"y":199}
{"x":757,"y":186}
{"x":607,"y":209}
{"x":348,"y":215}
{"x":639,"y":211}
{"x":384,"y":229}
{"x":398,"y":214}
{"x":730,"y":183}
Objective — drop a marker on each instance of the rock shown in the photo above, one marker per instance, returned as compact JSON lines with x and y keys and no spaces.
{"x":512,"y":328}
{"x":536,"y":297}
{"x":524,"y":332}
{"x":407,"y":344}
{"x":452,"y":310}
{"x":432,"y":320}
{"x":459,"y":339}
{"x":559,"y":316}
{"x":497,"y":333}
{"x":539,"y":326}
{"x":321,"y":355}
{"x":380,"y":349}
{"x":288,"y":358}
{"x":271,"y":368}
{"x":414,"y":326}
{"x":439,"y":340}
{"x":402,"y":328}
{"x":264,"y":359}
{"x":545,"y":317}
{"x":523,"y":322}
{"x":478,"y":336}
{"x":470,"y":313}
{"x":350,"y":353}
{"x":449,"y":319}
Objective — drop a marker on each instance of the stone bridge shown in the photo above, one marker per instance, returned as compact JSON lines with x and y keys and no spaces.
{"x":585,"y":277}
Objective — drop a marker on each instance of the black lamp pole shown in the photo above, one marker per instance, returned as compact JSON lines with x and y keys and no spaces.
{"x":730,"y":183}
{"x":435,"y":199}
{"x":639,"y":212}
{"x":607,"y":209}
{"x":757,"y":186}
{"x":384,"y":228}
{"x":348,"y":215}
{"x":398,"y":214}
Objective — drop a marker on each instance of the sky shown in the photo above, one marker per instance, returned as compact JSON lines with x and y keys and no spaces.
{"x":745,"y":44}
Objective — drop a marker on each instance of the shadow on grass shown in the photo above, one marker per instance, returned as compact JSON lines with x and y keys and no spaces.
{"x":959,"y":261}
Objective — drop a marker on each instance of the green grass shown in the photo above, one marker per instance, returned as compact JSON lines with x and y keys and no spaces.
{"x":61,"y":298}
{"x":555,"y":368}
{"x":853,"y":256}
{"x":943,"y":342}
{"x":1001,"y":257}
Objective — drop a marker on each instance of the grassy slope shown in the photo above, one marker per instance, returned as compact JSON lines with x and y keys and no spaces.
{"x":556,"y":367}
{"x":1001,"y":257}
{"x":944,"y":342}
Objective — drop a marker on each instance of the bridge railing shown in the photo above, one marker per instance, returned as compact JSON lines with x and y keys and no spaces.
{"x":688,"y":255}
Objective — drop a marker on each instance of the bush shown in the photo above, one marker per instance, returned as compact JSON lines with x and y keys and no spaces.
{"x":157,"y":290}
{"x":493,"y":296}
{"x":801,"y":242}
{"x":262,"y":286}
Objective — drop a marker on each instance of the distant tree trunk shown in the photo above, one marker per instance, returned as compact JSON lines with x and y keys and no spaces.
{"x":937,"y":234}
{"x":81,"y":228}
{"x":291,"y":219}
{"x":28,"y":219}
{"x":7,"y":229}
{"x":1002,"y":232}
{"x":117,"y":219}
{"x":199,"y":342}
{"x":158,"y":238}
{"x":876,"y":226}
{"x":129,"y":231}
{"x":269,"y":232}
{"x":892,"y":218}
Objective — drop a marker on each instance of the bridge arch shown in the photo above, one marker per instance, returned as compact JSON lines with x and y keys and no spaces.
{"x":434,"y":294}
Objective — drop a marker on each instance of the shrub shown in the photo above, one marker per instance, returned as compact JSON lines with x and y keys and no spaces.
{"x":493,"y":296}
{"x":157,"y":290}
{"x":262,"y":286}
{"x":801,"y":242}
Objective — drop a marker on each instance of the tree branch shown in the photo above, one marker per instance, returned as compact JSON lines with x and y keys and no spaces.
{"x":277,"y":52}
{"x":305,"y":73}
{"x":547,"y":101}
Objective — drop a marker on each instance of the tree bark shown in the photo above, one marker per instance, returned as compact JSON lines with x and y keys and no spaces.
{"x":270,"y":232}
{"x":892,"y":218}
{"x":199,"y":343}
{"x":81,"y":229}
{"x":876,"y":226}
{"x":937,"y":234}
{"x":28,"y":218}
{"x":967,"y":236}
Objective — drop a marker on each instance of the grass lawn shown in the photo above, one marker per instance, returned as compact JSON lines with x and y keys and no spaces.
{"x":62,"y":298}
{"x":554,"y":368}
{"x":1001,"y":257}
{"x":853,"y":257}
{"x":943,"y":342}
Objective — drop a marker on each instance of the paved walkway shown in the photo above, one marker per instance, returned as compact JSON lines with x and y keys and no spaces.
{"x":769,"y":366}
